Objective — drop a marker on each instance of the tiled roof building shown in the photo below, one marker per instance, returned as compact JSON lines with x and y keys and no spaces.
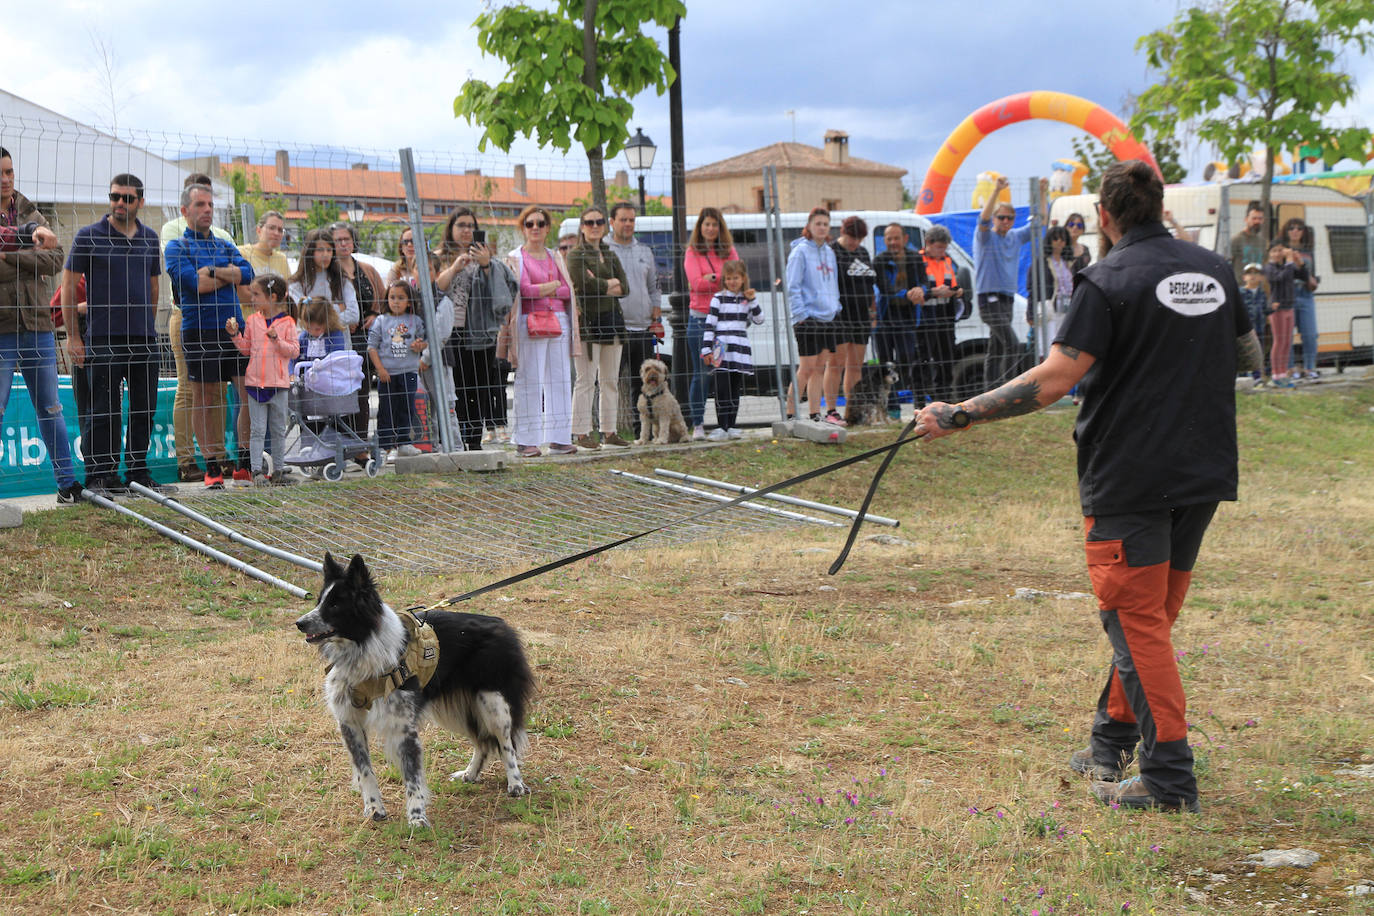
{"x":808,"y":176}
{"x":372,"y":195}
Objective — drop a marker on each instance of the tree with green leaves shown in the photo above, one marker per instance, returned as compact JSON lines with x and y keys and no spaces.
{"x":248,"y":190}
{"x":572,"y":70}
{"x":320,"y":214}
{"x":1241,"y":73}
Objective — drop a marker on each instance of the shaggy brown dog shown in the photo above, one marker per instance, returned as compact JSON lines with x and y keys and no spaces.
{"x":660,"y":415}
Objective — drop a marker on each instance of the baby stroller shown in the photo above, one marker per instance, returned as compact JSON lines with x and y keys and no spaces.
{"x":323,"y":392}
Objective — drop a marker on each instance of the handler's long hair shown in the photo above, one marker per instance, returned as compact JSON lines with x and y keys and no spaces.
{"x":1133,"y":194}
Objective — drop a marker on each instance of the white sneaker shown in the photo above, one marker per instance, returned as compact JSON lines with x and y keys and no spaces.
{"x":698,"y":433}
{"x":717,"y":434}
{"x":391,"y":456}
{"x":408,"y":451}
{"x":736,"y":434}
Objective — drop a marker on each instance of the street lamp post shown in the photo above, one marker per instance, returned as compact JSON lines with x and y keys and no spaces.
{"x":639,"y":153}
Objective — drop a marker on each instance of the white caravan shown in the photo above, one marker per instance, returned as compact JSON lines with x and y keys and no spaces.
{"x":1339,"y":226}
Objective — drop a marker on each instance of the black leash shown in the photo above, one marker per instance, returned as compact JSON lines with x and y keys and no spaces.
{"x":868,"y":497}
{"x":890,"y":450}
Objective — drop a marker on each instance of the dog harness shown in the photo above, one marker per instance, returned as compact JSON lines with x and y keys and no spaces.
{"x":651,"y":399}
{"x":417,"y":662}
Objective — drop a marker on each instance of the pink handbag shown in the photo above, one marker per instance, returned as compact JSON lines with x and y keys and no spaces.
{"x":543,"y":324}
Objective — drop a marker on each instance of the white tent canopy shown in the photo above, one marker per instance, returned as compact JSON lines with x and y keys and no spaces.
{"x":61,"y":161}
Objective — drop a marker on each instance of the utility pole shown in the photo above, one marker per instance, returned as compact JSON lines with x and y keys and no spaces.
{"x":683,"y":361}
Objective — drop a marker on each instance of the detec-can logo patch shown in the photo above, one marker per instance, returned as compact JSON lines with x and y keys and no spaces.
{"x":1191,"y":294}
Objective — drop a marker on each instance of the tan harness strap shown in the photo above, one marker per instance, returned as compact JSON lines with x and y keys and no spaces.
{"x":420,"y":658}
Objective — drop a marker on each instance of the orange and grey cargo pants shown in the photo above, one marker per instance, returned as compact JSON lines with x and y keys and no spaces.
{"x":1141,"y":564}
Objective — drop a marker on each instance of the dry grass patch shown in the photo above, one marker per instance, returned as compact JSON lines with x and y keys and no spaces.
{"x":721,"y":727}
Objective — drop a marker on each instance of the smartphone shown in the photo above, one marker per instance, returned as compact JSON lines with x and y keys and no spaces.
{"x":479,"y":236}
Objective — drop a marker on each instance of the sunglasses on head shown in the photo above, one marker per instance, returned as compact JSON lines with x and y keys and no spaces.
{"x":535,"y":224}
{"x":117,"y":198}
{"x":594,"y":222}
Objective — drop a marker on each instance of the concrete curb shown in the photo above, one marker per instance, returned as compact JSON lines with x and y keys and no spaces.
{"x":826,"y":433}
{"x":439,"y":463}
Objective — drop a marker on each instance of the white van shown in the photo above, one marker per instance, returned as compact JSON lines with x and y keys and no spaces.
{"x":1217,"y":212}
{"x":750,"y":235}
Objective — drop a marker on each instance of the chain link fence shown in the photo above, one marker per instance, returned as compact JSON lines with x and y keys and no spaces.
{"x":158,"y":388}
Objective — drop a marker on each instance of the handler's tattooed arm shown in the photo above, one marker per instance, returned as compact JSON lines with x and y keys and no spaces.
{"x":1038,"y":387}
{"x":1249,"y":356}
{"x":1018,"y":397}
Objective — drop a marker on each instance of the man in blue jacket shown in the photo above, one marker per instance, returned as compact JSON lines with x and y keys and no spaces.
{"x":901,"y":293}
{"x":206,"y":271}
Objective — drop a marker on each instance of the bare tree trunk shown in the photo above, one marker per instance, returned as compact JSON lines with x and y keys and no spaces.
{"x":595,"y":163}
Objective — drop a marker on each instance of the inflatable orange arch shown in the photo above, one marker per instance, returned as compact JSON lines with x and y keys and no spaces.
{"x":1040,"y":104}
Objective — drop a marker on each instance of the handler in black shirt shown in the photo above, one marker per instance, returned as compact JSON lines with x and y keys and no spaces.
{"x":1156,"y":333}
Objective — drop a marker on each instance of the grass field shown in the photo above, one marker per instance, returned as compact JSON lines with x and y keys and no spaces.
{"x":723,"y":728}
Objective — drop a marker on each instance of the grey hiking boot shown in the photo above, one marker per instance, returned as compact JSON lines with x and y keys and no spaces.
{"x":1083,"y":762}
{"x":1132,"y":793}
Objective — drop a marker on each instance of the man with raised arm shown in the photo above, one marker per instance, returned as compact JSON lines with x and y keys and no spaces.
{"x":996,"y":262}
{"x":1155,"y":335}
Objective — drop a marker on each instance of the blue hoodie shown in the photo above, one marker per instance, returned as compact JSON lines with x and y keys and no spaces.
{"x":813,"y":285}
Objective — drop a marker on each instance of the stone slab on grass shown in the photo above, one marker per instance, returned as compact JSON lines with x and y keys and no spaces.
{"x":827,"y":433}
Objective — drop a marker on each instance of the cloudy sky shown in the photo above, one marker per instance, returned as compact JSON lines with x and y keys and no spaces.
{"x":253,"y":76}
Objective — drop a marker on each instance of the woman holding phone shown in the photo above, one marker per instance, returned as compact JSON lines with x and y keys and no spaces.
{"x":482,"y":290}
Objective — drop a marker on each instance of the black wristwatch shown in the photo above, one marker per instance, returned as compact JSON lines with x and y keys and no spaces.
{"x":959,"y":419}
{"x":212,"y":272}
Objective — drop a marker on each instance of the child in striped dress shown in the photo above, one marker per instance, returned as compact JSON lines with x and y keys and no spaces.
{"x":725,"y":344}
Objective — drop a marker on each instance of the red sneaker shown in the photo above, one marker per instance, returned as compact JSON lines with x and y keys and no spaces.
{"x":243,"y":475}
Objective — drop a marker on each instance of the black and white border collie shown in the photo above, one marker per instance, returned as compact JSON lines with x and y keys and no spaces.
{"x":480,"y":688}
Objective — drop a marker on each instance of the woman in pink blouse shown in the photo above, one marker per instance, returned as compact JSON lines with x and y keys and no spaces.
{"x":543,"y":364}
{"x":707,"y":250}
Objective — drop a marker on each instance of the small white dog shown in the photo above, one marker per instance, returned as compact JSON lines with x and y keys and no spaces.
{"x":660,"y":415}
